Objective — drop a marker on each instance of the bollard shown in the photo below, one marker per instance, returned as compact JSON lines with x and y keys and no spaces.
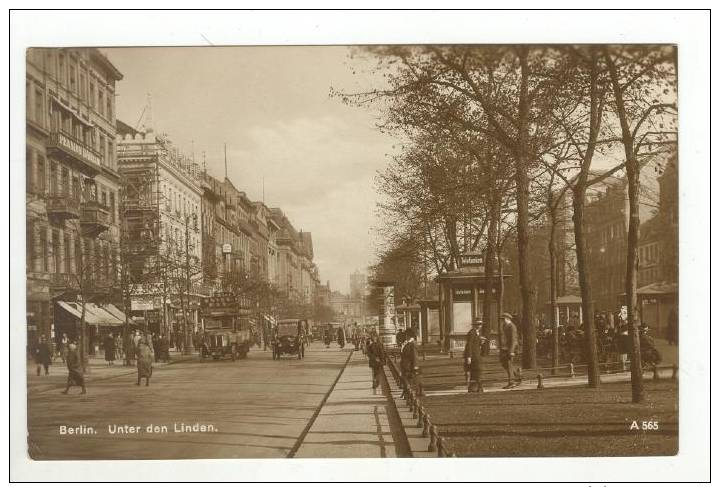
{"x":540,"y":382}
{"x":440,"y":447}
{"x":433,"y":435}
{"x":452,"y":355}
{"x":675,"y":371}
{"x":572,"y":370}
{"x":420,"y":421}
{"x":423,"y":355}
{"x":426,"y":422}
{"x":656,"y":375}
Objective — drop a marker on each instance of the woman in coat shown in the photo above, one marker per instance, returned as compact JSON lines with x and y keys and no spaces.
{"x":144,"y":361}
{"x":109,"y":346}
{"x":75,"y":369}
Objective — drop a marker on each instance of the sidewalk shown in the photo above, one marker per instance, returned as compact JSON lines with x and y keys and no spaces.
{"x":98,"y":370}
{"x":354,"y":423}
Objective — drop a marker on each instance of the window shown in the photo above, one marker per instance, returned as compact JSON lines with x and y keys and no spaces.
{"x":43,"y":249}
{"x":76,"y":188}
{"x":61,"y":69}
{"x":102,"y":148}
{"x":92,"y":95}
{"x":30,"y":247}
{"x":40,"y":176}
{"x":53,"y":178}
{"x":83,"y":87}
{"x":112,"y":207}
{"x":28,"y":169}
{"x":39,"y":111}
{"x":109,"y":107}
{"x":78,"y":256}
{"x":110,"y":153}
{"x":68,"y":257}
{"x":56,"y":252}
{"x":101,"y":103}
{"x":73,"y":75}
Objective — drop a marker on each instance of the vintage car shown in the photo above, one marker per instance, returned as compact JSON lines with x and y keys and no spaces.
{"x":289,"y":338}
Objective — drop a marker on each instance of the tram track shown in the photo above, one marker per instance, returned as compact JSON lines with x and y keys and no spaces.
{"x":298,"y":443}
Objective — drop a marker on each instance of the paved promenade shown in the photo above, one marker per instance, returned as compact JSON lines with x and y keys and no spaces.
{"x":354,"y":422}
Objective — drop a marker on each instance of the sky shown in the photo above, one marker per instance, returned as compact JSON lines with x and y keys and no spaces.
{"x":272,"y":107}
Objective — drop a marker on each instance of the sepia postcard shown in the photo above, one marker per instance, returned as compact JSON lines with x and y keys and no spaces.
{"x":353,"y":251}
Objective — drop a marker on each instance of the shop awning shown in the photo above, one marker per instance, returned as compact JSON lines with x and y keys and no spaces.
{"x":94,"y":314}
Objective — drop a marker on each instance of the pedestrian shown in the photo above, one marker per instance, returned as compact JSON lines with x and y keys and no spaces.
{"x":341,"y":337}
{"x":129,"y":346}
{"x":109,"y":346}
{"x":118,"y":346}
{"x":75,"y":369}
{"x":155,"y":347}
{"x":376,"y":361}
{"x":410,"y":359}
{"x":62,"y":347}
{"x":623,"y":343}
{"x":474,"y":342}
{"x":144,"y":356}
{"x":43,"y":355}
{"x":508,"y":349}
{"x":648,"y":352}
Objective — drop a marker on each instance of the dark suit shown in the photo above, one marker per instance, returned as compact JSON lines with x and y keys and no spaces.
{"x":376,"y":360}
{"x":473,"y":352}
{"x":410,"y":367}
{"x":508,"y":348}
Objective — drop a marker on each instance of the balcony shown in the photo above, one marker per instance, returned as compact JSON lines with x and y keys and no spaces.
{"x":94,"y":219}
{"x":63,"y":206}
{"x":72,"y":150}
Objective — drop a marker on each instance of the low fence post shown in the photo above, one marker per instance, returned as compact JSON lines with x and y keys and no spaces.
{"x":656,"y":375}
{"x":572,"y":370}
{"x":540,"y":384}
{"x":433,"y":435}
{"x":426,"y":423}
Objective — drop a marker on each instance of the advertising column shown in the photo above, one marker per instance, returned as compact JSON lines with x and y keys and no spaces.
{"x":386,"y":314}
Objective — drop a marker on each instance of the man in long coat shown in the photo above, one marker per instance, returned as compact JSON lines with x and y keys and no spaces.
{"x":75,"y":369}
{"x":508,"y":350}
{"x":376,"y":360}
{"x":43,"y":355}
{"x":144,"y":361}
{"x":411,"y":368}
{"x":474,"y":342}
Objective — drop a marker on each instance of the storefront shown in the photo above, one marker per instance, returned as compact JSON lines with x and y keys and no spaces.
{"x":100,"y":320}
{"x":658,"y":301}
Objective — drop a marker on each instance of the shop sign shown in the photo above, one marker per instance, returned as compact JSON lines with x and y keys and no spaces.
{"x":471,"y":260}
{"x":462,"y":294}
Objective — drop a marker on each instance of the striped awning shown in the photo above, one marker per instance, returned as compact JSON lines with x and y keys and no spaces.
{"x":94,"y":314}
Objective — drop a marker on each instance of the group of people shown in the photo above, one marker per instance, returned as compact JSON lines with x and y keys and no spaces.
{"x":477,"y":345}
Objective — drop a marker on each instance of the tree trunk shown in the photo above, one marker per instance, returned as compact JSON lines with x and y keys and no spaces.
{"x":633,"y":176}
{"x":552,"y":249}
{"x":632,"y":167}
{"x":585,"y":287}
{"x":490,"y":259}
{"x":523,"y":198}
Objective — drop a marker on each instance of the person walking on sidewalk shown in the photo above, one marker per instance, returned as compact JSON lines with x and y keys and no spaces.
{"x":376,"y":361}
{"x":508,"y":350}
{"x":474,"y":342}
{"x":410,"y":361}
{"x":144,"y":361}
{"x":109,"y":347}
{"x":75,"y":369}
{"x":43,"y":355}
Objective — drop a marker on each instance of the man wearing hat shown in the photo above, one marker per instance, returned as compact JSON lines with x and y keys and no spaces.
{"x":508,"y":349}
{"x":409,"y":361}
{"x":474,"y":342}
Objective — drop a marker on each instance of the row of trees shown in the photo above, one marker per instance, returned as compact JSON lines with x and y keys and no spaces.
{"x":494,"y":138}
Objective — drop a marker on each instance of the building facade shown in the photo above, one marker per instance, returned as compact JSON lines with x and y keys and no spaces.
{"x":162,"y":221}
{"x":72,"y":181}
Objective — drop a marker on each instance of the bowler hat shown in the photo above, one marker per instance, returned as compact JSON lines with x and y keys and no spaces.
{"x":507,"y":315}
